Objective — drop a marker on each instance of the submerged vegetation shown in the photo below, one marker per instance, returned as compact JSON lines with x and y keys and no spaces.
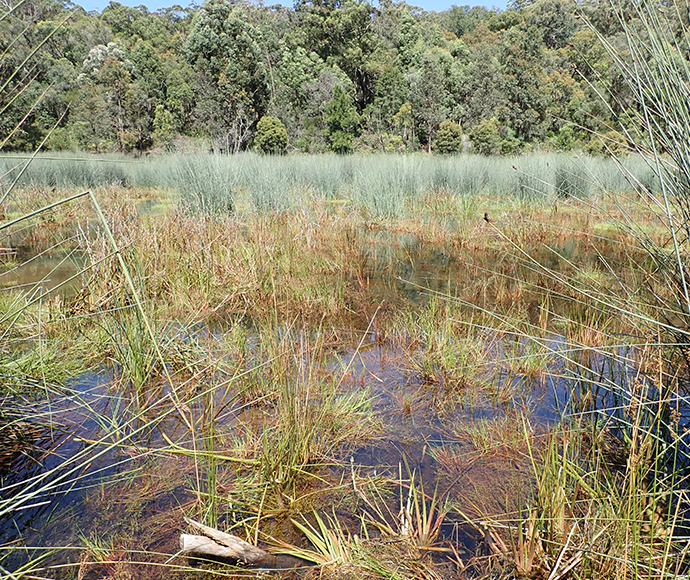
{"x":321,"y":378}
{"x":372,"y":367}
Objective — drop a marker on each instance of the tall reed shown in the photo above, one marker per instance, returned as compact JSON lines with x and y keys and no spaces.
{"x":381,"y":185}
{"x":611,"y":500}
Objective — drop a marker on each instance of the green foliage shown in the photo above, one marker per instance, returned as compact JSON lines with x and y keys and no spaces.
{"x":510,"y":145}
{"x":163,"y":127}
{"x":504,"y":20}
{"x":449,"y":138}
{"x":565,"y":139}
{"x":608,"y":143}
{"x":218,"y":69}
{"x":61,"y":140}
{"x":224,"y":47}
{"x":342,"y":122}
{"x":463,"y":19}
{"x":555,"y":20}
{"x":429,"y":92}
{"x":485,"y":137}
{"x":271,"y":136}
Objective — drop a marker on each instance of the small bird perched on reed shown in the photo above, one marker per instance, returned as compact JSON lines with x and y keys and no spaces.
{"x":487,"y":219}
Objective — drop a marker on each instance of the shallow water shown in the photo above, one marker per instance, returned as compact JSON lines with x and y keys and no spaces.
{"x":48,"y":276}
{"x":45,"y":256}
{"x":108,"y":475}
{"x":94,"y":410}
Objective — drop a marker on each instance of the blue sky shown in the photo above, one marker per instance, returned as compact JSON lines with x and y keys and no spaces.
{"x":155,"y":4}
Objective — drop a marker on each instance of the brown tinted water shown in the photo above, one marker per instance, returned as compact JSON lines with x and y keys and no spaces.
{"x":49,"y":275}
{"x":464,"y":437}
{"x":47,"y":256}
{"x":94,"y":484}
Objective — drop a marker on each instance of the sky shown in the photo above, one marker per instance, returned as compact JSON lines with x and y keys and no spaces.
{"x":155,"y":4}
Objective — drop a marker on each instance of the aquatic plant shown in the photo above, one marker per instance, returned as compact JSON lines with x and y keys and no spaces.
{"x":611,"y":494}
{"x":380,"y":185}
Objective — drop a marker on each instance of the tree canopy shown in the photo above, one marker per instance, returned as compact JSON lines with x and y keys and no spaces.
{"x":339,"y":75}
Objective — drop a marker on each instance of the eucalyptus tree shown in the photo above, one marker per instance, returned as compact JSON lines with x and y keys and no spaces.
{"x":428,"y":93}
{"x":342,"y":121}
{"x":105,"y":109}
{"x":526,"y":102}
{"x":391,"y":92}
{"x":463,"y":20}
{"x":232,"y":77}
{"x":341,"y":33}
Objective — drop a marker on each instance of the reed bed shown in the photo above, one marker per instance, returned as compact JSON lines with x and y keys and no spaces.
{"x":383,"y":184}
{"x":227,"y":339}
{"x":259,"y":414}
{"x":290,"y":315}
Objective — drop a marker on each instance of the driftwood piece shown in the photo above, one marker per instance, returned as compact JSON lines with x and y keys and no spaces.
{"x":202,"y":546}
{"x":220,"y":545}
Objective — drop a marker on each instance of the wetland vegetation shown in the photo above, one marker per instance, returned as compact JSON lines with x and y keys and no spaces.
{"x":385,"y":366}
{"x":381,"y":386}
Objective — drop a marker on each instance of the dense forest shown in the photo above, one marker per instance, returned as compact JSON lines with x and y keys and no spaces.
{"x":325,"y":75}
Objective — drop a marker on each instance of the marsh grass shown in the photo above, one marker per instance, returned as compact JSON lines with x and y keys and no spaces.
{"x":265,"y":412}
{"x":571,"y":183}
{"x":605,"y":520}
{"x":611,"y":486}
{"x":452,"y":356}
{"x":380,"y":185}
{"x":126,"y":342}
{"x":250,"y":422}
{"x":33,"y":350}
{"x":309,"y":427}
{"x":383,"y":538}
{"x":313,"y":419}
{"x":421,"y":515}
{"x":502,"y":435}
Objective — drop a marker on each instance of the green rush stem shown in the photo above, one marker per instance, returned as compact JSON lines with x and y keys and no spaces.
{"x":43,"y":209}
{"x":173,"y":394}
{"x":637,"y":75}
{"x":6,"y":14}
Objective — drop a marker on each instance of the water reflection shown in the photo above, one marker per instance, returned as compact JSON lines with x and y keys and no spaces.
{"x":96,"y":432}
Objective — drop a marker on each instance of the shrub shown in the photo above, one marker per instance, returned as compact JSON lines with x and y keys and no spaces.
{"x":271,"y":136}
{"x":449,"y":138}
{"x":609,"y":143}
{"x":61,"y":140}
{"x":511,"y":145}
{"x":163,"y":127}
{"x":485,"y":137}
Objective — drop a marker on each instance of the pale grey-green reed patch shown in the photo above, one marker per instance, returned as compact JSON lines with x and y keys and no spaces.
{"x":382,"y":185}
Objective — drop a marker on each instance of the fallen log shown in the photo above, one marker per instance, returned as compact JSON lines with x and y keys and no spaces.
{"x":217,"y":544}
